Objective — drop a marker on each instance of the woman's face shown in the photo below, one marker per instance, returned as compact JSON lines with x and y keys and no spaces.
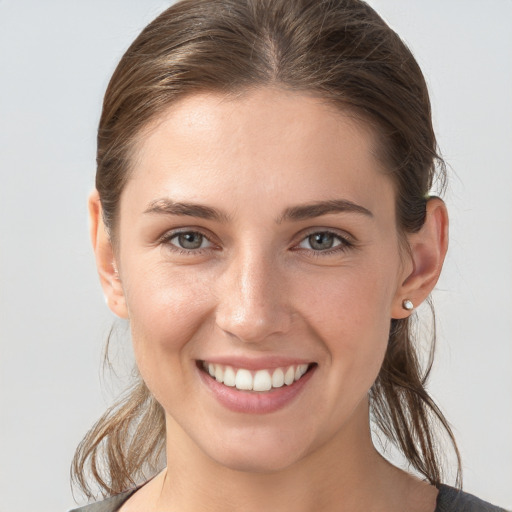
{"x":257,"y":241}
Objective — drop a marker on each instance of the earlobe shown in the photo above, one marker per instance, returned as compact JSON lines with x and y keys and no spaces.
{"x":427,"y":252}
{"x":105,"y":259}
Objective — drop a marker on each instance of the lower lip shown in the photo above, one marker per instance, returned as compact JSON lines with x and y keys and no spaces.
{"x":253,"y":402}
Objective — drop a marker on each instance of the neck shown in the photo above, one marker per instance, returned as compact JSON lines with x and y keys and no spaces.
{"x":345,"y":474}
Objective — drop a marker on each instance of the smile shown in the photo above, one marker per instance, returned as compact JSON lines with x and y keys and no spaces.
{"x":260,"y":380}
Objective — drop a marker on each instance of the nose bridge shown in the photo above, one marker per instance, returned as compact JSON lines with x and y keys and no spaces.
{"x":252,"y":302}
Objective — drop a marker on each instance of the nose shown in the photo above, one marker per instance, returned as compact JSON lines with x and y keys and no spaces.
{"x":252,"y":304}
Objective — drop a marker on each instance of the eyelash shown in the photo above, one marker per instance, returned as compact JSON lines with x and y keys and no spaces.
{"x":168,"y":237}
{"x":343,"y":245}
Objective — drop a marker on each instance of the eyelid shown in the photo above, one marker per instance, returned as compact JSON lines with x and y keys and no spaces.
{"x":340,"y":233}
{"x":169,"y":233}
{"x":347,"y":241}
{"x":172,"y":233}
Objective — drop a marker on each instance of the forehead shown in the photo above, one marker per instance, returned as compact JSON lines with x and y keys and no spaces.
{"x":274,"y":144}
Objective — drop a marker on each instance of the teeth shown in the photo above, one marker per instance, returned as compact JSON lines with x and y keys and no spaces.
{"x":299,"y":372}
{"x":229,"y":377}
{"x":278,"y":378}
{"x":289,"y":376}
{"x":243,"y":380}
{"x":261,"y":380}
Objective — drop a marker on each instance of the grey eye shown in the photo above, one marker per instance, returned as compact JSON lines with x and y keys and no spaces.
{"x":190,"y":240}
{"x":321,"y":241}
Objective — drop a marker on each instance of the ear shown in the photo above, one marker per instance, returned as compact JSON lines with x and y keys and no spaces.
{"x":427,"y":252}
{"x":105,"y":259}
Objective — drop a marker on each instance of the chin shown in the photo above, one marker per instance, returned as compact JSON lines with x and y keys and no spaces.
{"x":255,"y":461}
{"x":258,"y":451}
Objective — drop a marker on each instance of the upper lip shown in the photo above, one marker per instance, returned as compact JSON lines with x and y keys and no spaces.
{"x":257,"y":363}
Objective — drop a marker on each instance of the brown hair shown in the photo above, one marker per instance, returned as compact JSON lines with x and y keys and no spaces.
{"x":345,"y":53}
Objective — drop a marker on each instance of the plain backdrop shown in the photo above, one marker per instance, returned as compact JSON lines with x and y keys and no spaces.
{"x":55,"y":60}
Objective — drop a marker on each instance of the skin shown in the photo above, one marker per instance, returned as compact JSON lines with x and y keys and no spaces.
{"x":257,"y":288}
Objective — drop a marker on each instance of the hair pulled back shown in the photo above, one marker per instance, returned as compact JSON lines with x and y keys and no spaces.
{"x":343,"y":52}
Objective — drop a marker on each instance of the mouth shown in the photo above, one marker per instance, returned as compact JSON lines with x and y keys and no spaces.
{"x":259,"y":381}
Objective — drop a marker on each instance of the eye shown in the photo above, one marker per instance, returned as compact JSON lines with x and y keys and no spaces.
{"x":323,"y":241}
{"x":189,"y":240}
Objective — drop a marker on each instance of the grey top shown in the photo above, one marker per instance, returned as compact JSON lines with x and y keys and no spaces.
{"x":448,"y":500}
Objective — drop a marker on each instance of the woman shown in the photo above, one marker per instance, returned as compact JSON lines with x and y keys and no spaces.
{"x":262,"y":218}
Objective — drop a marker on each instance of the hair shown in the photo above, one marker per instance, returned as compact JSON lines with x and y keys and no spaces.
{"x":339,"y":50}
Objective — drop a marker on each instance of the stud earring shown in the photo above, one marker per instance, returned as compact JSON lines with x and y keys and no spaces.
{"x":407,"y":305}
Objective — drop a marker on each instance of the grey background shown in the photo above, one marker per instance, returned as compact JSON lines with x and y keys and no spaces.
{"x":55,"y":61}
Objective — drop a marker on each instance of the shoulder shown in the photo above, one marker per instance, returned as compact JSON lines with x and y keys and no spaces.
{"x":453,"y":500}
{"x":111,"y":504}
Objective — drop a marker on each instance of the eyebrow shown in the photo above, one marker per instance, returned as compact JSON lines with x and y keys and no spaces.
{"x":170,"y":207}
{"x":294,"y":213}
{"x":319,"y":208}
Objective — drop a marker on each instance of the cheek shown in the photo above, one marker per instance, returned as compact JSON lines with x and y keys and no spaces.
{"x":355,"y":300}
{"x":166,"y":308}
{"x":350,"y":313}
{"x":168,"y":311}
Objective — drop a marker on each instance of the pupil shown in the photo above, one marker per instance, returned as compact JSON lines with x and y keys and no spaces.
{"x":190,"y":240}
{"x":321,"y":241}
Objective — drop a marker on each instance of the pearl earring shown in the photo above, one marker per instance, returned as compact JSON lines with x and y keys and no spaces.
{"x":407,"y":305}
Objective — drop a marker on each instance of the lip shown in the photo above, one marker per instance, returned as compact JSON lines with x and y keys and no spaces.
{"x":251,"y":402}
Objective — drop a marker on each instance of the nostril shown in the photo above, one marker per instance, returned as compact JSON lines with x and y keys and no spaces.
{"x":254,"y":324}
{"x":252,"y":302}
